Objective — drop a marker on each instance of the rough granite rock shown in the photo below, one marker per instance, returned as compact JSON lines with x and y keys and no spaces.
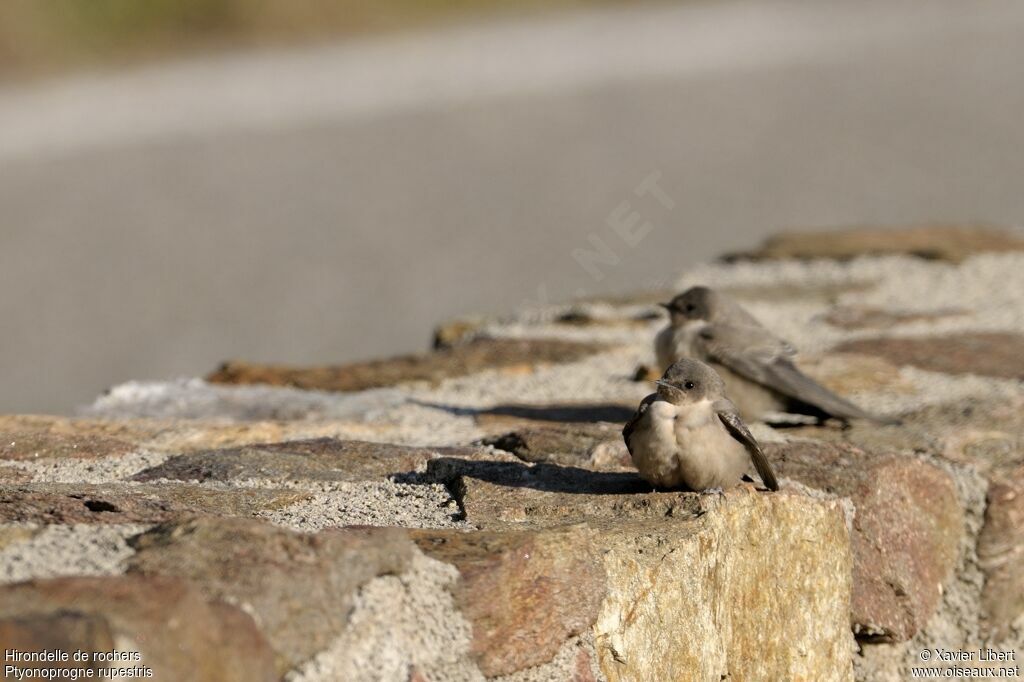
{"x":178,"y":634}
{"x":906,"y":532}
{"x":298,"y":588}
{"x":662,"y":566}
{"x":951,"y":243}
{"x":513,"y":355}
{"x":33,"y":437}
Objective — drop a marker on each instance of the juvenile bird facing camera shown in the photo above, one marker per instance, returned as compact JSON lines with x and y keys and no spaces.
{"x":689,"y":434}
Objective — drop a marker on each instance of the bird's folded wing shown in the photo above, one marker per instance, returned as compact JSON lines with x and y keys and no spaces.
{"x":730,"y":417}
{"x":748,"y":351}
{"x":765,"y":359}
{"x":627,"y":430}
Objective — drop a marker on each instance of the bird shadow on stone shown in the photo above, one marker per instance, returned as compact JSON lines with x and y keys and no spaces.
{"x":568,"y":412}
{"x":544,"y":477}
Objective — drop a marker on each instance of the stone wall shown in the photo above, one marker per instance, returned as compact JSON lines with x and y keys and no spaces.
{"x":471,"y":513}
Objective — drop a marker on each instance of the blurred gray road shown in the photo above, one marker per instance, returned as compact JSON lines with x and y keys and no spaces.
{"x":335,"y":203}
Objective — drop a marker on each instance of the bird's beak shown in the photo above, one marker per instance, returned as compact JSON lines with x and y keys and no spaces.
{"x":666,"y":306}
{"x":662,"y":382}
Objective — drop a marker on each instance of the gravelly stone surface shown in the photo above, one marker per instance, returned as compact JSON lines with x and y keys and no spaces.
{"x":35,"y":551}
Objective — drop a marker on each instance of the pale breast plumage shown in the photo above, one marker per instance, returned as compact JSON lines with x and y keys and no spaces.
{"x":688,"y":446}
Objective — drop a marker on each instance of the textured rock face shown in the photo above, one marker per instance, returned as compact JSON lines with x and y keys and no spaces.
{"x":479,"y":517}
{"x":766,"y":563}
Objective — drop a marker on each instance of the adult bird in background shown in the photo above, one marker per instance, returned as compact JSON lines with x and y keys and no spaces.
{"x":756,"y":365}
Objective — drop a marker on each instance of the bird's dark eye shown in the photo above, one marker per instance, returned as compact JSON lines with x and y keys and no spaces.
{"x":688,"y":385}
{"x":690,"y":307}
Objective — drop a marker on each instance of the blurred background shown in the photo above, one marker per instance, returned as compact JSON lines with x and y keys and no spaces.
{"x":314,"y":181}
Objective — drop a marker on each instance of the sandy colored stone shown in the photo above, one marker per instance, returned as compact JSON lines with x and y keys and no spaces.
{"x":322,"y":459}
{"x":951,"y":243}
{"x":114,"y":503}
{"x":525,"y":592}
{"x":1001,"y":553}
{"x":685,"y":592}
{"x":29,"y":437}
{"x":866,"y":317}
{"x":847,"y":373}
{"x":298,"y":587}
{"x":179,"y":634}
{"x":989,"y":354}
{"x":184,"y":435}
{"x":906,"y":532}
{"x":474,"y":356}
{"x":38,"y":437}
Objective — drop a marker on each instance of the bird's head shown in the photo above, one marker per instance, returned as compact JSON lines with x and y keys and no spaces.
{"x":696,"y":303}
{"x":689,"y":381}
{"x":705,"y":304}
